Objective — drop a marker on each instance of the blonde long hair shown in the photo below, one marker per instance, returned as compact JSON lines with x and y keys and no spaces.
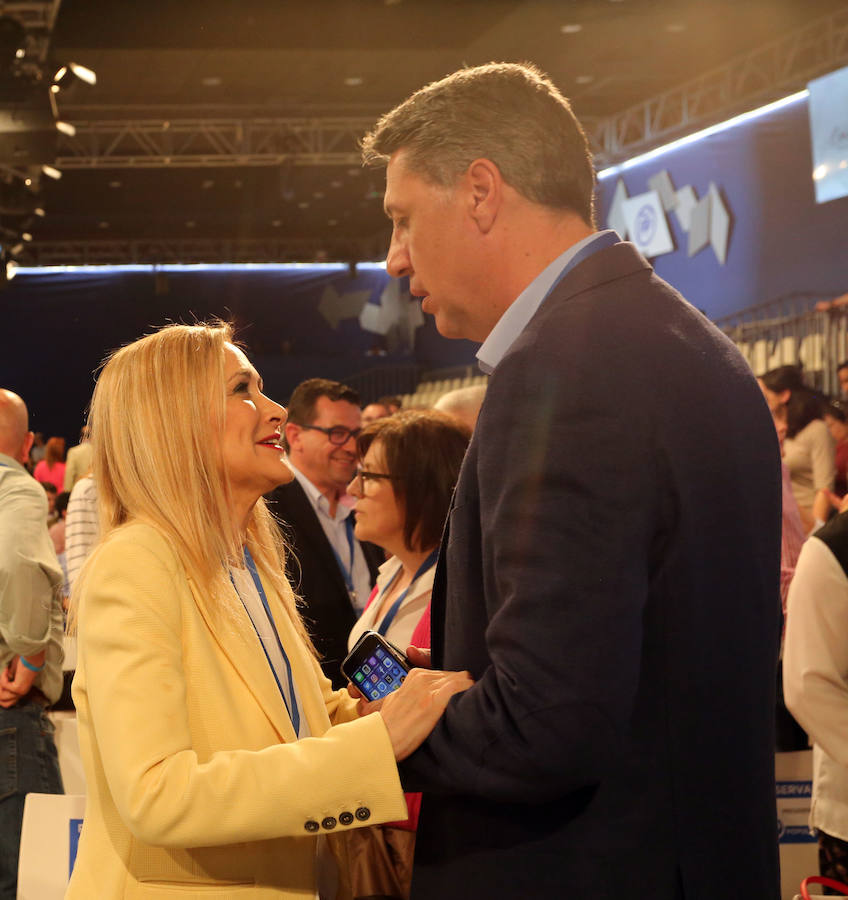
{"x":155,"y":419}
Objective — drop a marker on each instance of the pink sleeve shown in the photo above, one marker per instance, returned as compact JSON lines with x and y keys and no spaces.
{"x":371,"y":597}
{"x":421,"y":635}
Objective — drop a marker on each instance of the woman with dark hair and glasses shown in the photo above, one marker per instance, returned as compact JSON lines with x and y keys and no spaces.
{"x":409,"y":465}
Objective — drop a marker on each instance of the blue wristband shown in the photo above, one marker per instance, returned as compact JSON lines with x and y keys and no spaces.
{"x":30,"y":666}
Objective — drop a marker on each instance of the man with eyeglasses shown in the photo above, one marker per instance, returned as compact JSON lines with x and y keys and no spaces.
{"x":328,"y":567}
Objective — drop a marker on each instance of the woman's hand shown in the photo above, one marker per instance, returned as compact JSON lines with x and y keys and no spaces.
{"x":419,"y":657}
{"x":411,"y":712}
{"x":840,"y":504}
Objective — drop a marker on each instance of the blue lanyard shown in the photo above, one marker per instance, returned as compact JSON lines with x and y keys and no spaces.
{"x":293,"y":711}
{"x":347,"y":571}
{"x":601,"y":242}
{"x":393,"y":609}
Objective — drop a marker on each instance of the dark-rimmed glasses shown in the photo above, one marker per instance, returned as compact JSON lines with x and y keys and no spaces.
{"x":338,"y":434}
{"x":362,"y":476}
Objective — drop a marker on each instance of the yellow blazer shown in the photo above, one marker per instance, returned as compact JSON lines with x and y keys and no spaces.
{"x":197,"y":786}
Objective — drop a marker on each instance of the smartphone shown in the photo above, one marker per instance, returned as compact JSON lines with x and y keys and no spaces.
{"x":375,"y":666}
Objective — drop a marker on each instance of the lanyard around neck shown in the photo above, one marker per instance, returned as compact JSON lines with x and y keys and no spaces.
{"x":389,"y":617}
{"x":347,"y":571}
{"x":291,"y":700}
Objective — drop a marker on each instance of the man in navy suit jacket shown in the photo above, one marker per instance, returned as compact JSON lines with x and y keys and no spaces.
{"x":609,"y":571}
{"x":326,"y":565}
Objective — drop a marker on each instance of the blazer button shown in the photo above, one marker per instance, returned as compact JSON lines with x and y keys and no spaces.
{"x":345,"y":818}
{"x":363,"y":813}
{"x":311,"y":825}
{"x":329,"y":823}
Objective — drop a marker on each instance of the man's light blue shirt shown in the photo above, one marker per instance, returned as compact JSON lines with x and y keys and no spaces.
{"x":523,"y":308}
{"x":335,"y":528}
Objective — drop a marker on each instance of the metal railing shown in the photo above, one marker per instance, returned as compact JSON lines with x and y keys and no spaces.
{"x":806,"y":329}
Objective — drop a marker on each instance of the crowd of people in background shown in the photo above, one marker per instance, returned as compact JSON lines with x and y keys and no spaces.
{"x":374,"y":454}
{"x":604,"y":608}
{"x":813,"y":669}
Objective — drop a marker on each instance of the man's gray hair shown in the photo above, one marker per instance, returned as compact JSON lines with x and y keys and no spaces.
{"x":463,"y":403}
{"x":509,"y":113}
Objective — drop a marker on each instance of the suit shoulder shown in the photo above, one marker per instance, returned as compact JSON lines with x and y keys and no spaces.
{"x":139,"y":541}
{"x":286,"y":495}
{"x":834,"y":535}
{"x":24,"y":489}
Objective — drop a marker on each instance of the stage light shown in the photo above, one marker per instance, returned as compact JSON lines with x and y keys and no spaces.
{"x":66,"y":128}
{"x":11,"y":270}
{"x":67,"y":75}
{"x":51,"y":172}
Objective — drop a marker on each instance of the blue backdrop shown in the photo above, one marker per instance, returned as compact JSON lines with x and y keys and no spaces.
{"x":781,"y":241}
{"x":57,"y":328}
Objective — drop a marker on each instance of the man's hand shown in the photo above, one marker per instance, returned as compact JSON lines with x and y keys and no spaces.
{"x":15,"y":682}
{"x":411,"y":712}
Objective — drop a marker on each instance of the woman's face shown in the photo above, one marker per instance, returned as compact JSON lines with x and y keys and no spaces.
{"x":837,"y":429}
{"x":379,"y":515}
{"x":774,"y":399}
{"x":253,"y":457}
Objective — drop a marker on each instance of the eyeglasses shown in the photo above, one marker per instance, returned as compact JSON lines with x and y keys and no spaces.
{"x":362,"y":476}
{"x":338,"y":434}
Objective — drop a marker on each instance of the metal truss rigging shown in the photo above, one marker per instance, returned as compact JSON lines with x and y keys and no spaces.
{"x":765,"y":74}
{"x":37,"y":18}
{"x":206,"y":143}
{"x":201,"y":250}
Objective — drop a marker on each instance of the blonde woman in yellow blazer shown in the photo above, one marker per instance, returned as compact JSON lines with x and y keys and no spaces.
{"x":199,"y":784}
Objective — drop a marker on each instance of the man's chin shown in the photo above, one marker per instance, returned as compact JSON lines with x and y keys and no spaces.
{"x":343,"y":478}
{"x":448,"y":328}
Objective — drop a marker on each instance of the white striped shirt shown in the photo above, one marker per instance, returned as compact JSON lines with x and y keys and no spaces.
{"x":81,"y":526}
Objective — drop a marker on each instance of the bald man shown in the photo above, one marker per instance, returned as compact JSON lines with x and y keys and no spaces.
{"x":30,"y":635}
{"x":463,"y":404}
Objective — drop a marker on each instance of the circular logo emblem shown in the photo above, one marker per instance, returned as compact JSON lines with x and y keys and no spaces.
{"x":646,"y":225}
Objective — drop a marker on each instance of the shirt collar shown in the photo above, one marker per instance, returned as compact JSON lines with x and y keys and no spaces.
{"x":12,"y":463}
{"x":317,"y":499}
{"x":516,"y":316}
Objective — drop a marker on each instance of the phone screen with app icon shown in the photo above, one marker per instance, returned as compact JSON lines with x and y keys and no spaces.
{"x":375,"y":666}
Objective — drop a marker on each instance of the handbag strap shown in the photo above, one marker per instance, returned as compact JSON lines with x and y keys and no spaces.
{"x":823,"y":880}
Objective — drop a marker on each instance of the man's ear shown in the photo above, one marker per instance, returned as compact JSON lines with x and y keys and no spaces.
{"x":26,"y":446}
{"x":485,"y":184}
{"x":292,"y":432}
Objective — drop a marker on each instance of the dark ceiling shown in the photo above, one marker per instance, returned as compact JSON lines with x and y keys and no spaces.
{"x":218,"y":61}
